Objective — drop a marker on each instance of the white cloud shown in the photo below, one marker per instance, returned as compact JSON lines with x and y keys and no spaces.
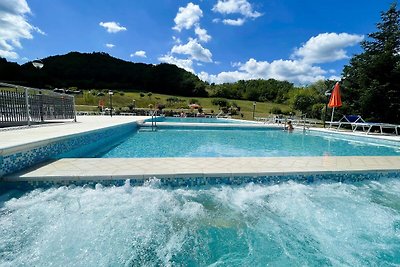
{"x":301,"y":69}
{"x":289,"y":70}
{"x":112,"y":27}
{"x":176,"y":39}
{"x":185,"y":64}
{"x":194,"y":50}
{"x":187,"y":17}
{"x":110,"y":45}
{"x":327,"y":47}
{"x":202,"y":34}
{"x":139,"y":53}
{"x":36,"y":29}
{"x":8,"y":54}
{"x":335,"y":78}
{"x":234,"y":22}
{"x":241,"y":7}
{"x":14,"y":27}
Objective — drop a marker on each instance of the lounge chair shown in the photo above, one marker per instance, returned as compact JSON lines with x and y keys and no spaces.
{"x":356,"y":122}
{"x":351,"y":120}
{"x":369,"y":125}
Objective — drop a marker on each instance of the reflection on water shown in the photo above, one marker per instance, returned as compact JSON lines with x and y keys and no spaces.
{"x":288,"y":224}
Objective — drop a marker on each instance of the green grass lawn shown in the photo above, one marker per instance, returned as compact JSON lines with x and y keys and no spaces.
{"x":89,"y":102}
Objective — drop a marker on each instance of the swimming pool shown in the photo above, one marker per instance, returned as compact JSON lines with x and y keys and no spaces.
{"x":279,"y":222}
{"x":288,"y":224}
{"x":197,"y":120}
{"x":237,"y":142}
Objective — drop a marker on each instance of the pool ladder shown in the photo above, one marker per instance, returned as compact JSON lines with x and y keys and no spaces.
{"x":154,"y":121}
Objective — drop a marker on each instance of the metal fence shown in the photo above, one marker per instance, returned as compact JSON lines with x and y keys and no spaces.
{"x":25,"y":106}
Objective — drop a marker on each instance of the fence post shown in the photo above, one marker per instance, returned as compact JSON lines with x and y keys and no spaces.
{"x":28,"y":115}
{"x":74,"y":108}
{"x":41,"y":107}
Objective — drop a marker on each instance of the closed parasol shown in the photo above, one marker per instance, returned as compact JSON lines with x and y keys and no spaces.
{"x":336,"y":99}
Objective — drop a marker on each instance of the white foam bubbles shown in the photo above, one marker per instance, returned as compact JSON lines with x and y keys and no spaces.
{"x":285,"y":224}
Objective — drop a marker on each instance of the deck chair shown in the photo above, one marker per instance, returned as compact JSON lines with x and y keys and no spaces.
{"x":356,"y":122}
{"x":367,"y":127}
{"x":351,"y":120}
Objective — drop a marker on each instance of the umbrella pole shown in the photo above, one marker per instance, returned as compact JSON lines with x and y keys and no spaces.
{"x":333,"y":111}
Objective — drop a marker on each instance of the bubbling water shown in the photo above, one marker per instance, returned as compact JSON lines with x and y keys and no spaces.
{"x":251,"y":225}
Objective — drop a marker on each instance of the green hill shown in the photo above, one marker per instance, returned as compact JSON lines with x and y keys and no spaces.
{"x":99,"y":71}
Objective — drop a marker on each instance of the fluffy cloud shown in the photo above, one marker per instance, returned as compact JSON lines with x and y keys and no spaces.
{"x":112,"y":27}
{"x":301,"y":69}
{"x":202,"y":34}
{"x":194,"y":50}
{"x":110,"y":45}
{"x":139,"y":53}
{"x":8,"y":54}
{"x":326,"y":47}
{"x":185,"y":64}
{"x":236,"y":7}
{"x":184,"y":55}
{"x":187,"y":17}
{"x":14,"y":27}
{"x":234,"y":22}
{"x":177,"y":40}
{"x":241,"y":7}
{"x":294,"y":71}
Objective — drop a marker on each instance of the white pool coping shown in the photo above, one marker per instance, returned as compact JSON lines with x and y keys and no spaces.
{"x":22,"y":138}
{"x":128,"y":168}
{"x":76,"y":169}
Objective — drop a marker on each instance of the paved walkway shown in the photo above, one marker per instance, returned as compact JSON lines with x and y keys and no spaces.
{"x":23,"y":136}
{"x":130,"y":168}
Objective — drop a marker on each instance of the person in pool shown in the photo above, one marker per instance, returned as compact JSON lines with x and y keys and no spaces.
{"x":289,"y":126}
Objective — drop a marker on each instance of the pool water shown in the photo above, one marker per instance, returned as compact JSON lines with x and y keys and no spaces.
{"x":197,"y":120}
{"x":181,"y":142}
{"x":288,"y":224}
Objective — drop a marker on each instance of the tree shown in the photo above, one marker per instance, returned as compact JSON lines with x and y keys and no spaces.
{"x":372,"y":84}
{"x":100,"y":70}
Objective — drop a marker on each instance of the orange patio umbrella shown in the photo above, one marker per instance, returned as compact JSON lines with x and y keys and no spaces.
{"x":336,"y":99}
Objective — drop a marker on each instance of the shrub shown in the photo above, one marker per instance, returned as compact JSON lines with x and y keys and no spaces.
{"x":221,"y":102}
{"x":317,"y":111}
{"x":276,"y":110}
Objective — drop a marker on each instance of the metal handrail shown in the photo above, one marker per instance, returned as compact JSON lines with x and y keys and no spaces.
{"x":154,"y":120}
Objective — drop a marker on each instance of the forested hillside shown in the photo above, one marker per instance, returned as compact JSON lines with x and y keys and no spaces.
{"x":100,"y":71}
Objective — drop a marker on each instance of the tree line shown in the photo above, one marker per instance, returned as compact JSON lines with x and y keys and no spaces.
{"x":99,"y":71}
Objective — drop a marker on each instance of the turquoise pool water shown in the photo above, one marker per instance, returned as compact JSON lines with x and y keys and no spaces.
{"x":197,"y":120}
{"x":288,"y":224}
{"x":212,"y":142}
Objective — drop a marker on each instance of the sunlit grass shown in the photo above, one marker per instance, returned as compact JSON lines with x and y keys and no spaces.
{"x":89,"y":102}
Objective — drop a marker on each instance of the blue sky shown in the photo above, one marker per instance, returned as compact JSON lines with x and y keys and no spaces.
{"x":218,"y":40}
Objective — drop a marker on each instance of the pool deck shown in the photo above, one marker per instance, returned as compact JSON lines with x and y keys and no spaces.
{"x":142,"y":168}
